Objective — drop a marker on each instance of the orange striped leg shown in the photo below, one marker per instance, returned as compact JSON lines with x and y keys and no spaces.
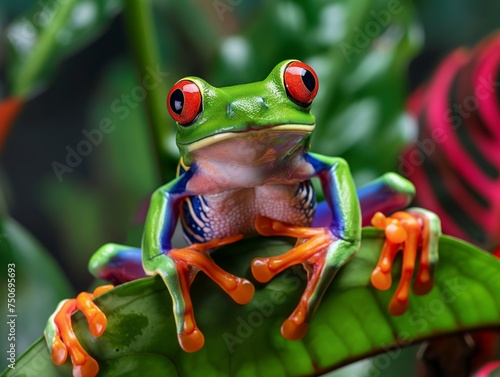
{"x":188,"y":261}
{"x":311,"y":250}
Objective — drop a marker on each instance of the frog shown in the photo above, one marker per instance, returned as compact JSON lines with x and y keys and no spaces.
{"x":246,"y":170}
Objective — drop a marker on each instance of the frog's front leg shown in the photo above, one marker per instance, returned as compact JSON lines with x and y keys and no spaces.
{"x":408,"y":230}
{"x":322,"y":251}
{"x":178,"y":267}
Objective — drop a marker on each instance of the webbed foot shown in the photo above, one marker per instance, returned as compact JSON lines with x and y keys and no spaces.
{"x":61,"y":338}
{"x":178,"y":267}
{"x":408,"y":231}
{"x":321,"y":254}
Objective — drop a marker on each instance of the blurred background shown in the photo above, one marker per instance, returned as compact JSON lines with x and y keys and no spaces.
{"x":92,"y":139}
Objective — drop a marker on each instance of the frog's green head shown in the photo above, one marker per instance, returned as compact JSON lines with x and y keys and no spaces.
{"x":279,"y":105}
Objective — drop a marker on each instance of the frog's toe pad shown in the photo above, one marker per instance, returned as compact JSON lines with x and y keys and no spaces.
{"x":261,"y":271}
{"x":399,"y":304}
{"x":423,"y":286}
{"x":95,"y":317}
{"x":243,"y":293}
{"x":89,"y":368}
{"x":59,"y":352}
{"x":381,"y":279}
{"x":98,"y":324}
{"x":292,"y":330}
{"x":191,"y":342}
{"x":395,"y":233}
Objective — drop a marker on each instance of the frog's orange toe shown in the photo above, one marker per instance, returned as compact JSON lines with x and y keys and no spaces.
{"x":59,"y":352}
{"x":191,"y":342}
{"x":395,"y":233}
{"x":378,"y":220}
{"x":98,"y":324}
{"x":89,"y":368}
{"x":95,"y":317}
{"x":102,"y":289}
{"x":423,"y":286}
{"x":62,"y":339}
{"x":407,"y":231}
{"x":261,"y":271}
{"x":264,"y":226}
{"x":311,"y":251}
{"x":399,"y":304}
{"x":292,"y":330}
{"x":196,"y":257}
{"x":243,"y":293}
{"x":188,"y":261}
{"x":380,"y":279}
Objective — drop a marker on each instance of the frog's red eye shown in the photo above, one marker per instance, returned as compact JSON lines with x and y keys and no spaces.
{"x":184,"y":102}
{"x":301,"y":83}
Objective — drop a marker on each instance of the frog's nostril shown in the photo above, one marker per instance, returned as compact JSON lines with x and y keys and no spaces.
{"x":229,"y":111}
{"x":263,"y":103}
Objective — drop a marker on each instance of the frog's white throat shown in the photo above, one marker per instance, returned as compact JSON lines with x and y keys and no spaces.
{"x":262,"y":135}
{"x":255,"y":148}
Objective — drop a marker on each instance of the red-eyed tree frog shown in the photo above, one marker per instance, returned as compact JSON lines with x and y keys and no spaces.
{"x":245,"y":170}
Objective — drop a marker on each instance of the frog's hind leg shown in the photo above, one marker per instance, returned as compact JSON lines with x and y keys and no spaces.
{"x":386,"y":194}
{"x":114,"y":263}
{"x":61,"y":339}
{"x":117,"y":263}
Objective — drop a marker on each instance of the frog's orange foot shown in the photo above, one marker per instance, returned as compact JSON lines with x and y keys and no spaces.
{"x":62,"y":339}
{"x":409,"y":231}
{"x":311,"y":249}
{"x":188,"y":261}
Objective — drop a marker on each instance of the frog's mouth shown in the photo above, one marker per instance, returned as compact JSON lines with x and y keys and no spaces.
{"x":303,"y":129}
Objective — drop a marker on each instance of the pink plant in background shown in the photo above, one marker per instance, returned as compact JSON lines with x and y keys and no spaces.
{"x":489,"y":370}
{"x":455,"y":164}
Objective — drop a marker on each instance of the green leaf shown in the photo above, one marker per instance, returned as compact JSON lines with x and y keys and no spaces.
{"x":54,"y":29}
{"x":38,"y":285}
{"x":351,"y":323}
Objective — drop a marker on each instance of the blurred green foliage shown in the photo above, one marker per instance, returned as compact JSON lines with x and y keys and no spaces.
{"x":38,"y":284}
